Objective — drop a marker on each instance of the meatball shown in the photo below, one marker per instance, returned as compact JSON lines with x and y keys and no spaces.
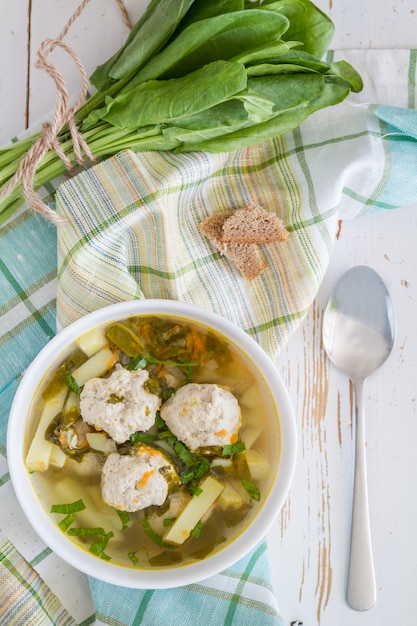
{"x":202,"y":415}
{"x":132,"y":483}
{"x":120,"y":405}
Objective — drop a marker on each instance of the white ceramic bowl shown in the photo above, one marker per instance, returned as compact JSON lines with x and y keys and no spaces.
{"x":281,"y":475}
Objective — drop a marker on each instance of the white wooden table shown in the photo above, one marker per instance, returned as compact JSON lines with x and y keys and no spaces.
{"x":309,"y":544}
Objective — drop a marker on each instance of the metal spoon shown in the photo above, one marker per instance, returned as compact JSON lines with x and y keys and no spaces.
{"x":358,"y":336}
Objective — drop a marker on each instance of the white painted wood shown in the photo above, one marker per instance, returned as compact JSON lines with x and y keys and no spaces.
{"x":372,"y":23}
{"x":309,"y":543}
{"x":94,"y":37}
{"x":13,"y":67}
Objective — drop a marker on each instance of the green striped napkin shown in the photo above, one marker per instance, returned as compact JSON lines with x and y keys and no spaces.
{"x":24,"y":593}
{"x":133,"y":219}
{"x":132,"y":233}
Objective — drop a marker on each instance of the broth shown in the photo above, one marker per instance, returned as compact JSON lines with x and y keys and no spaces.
{"x":136,"y":539}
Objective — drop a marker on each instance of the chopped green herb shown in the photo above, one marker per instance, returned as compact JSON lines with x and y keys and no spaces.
{"x":154,"y":535}
{"x":67,"y":521}
{"x":192,"y":475}
{"x":167,"y":393}
{"x":196,"y":531}
{"x":124,"y":518}
{"x":141,"y":438}
{"x":72,"y":383}
{"x":196,"y":466}
{"x":132,"y":555}
{"x":73,"y":507}
{"x":86,"y":532}
{"x":252,"y":489}
{"x":159,"y":422}
{"x":183,"y":453}
{"x":233,"y":448}
{"x":189,"y":373}
{"x":137,"y":363}
{"x":100,"y":544}
{"x":168,"y":521}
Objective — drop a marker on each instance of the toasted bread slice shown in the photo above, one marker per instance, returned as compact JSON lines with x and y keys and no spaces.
{"x":246,"y":257}
{"x":253,"y":224}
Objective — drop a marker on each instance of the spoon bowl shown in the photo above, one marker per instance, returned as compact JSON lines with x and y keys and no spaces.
{"x":358,"y":336}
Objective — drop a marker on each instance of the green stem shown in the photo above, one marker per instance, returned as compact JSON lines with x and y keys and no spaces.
{"x":104,"y":141}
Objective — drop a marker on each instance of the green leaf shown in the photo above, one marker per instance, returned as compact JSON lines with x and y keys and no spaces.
{"x":154,"y":535}
{"x":264,"y":52}
{"x":196,"y":531}
{"x":176,"y":37}
{"x":98,"y":546}
{"x":132,"y":556}
{"x":252,"y":490}
{"x":201,"y":10}
{"x":233,"y":448}
{"x":295,"y":100}
{"x":72,"y":383}
{"x":308,"y":24}
{"x":139,"y":363}
{"x":347,"y":74}
{"x":258,"y":107}
{"x":218,"y":38}
{"x":149,"y":35}
{"x":72,"y":507}
{"x":67,"y":522}
{"x":124,"y":518}
{"x":156,"y":102}
{"x":217,"y":121}
{"x":195,"y":471}
{"x":86,"y":532}
{"x":182,"y":452}
{"x":142,"y":438}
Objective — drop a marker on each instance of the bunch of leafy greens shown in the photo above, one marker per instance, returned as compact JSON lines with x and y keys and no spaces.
{"x":202,"y":76}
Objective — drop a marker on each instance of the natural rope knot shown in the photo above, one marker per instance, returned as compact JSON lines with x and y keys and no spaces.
{"x":49,"y":139}
{"x":64,"y":117}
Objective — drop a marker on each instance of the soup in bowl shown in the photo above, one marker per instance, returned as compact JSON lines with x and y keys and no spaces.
{"x":151,"y":444}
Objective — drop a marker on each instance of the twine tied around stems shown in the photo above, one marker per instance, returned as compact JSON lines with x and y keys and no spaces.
{"x":63,"y":116}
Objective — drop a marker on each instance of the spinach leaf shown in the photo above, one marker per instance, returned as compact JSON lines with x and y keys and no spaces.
{"x":299,"y":58}
{"x":272,"y":39}
{"x":201,"y":10}
{"x":343,"y":73}
{"x":219,"y":37}
{"x":219,"y":120}
{"x":264,"y":52}
{"x":65,"y":509}
{"x":150,"y":34}
{"x":308,"y":24}
{"x":167,"y":100}
{"x":295,"y":100}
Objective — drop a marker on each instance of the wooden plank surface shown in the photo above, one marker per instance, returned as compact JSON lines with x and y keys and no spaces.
{"x":309,"y":546}
{"x":13,"y":69}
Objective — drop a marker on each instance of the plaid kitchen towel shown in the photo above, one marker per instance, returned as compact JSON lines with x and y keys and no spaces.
{"x":133,"y":219}
{"x":139,"y":239}
{"x":17,"y":576}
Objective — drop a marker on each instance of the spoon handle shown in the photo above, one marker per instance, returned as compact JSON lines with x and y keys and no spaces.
{"x":361,"y":589}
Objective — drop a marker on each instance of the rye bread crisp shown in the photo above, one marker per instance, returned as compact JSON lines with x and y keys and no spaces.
{"x":245,"y":256}
{"x":252,"y":224}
